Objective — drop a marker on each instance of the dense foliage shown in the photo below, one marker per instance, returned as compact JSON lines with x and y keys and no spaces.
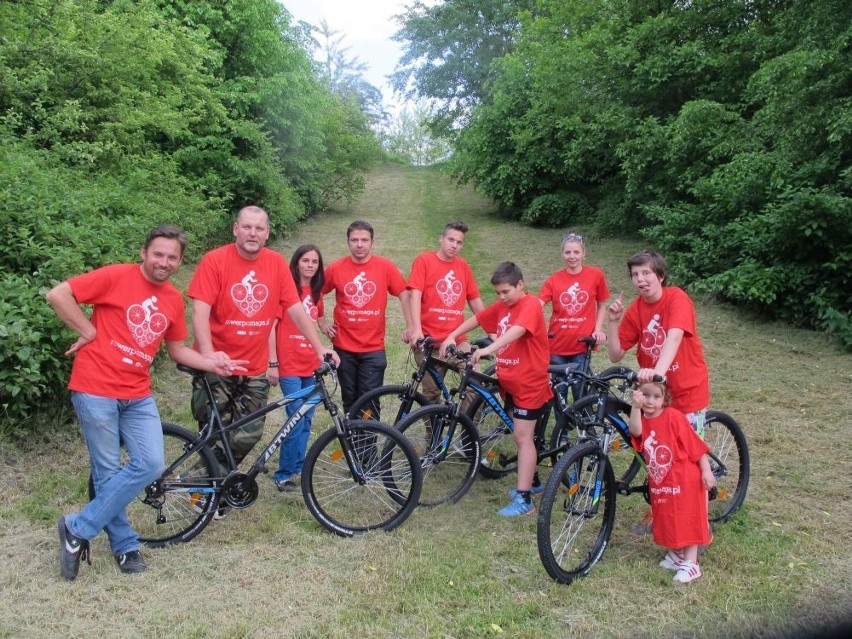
{"x":117,"y":116}
{"x":719,"y":129}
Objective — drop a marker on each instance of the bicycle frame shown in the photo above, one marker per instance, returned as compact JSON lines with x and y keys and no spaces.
{"x":215,"y":430}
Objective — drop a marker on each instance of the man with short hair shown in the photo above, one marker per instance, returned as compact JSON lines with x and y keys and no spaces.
{"x":237,"y":291}
{"x":441,"y":284}
{"x":135,"y":308}
{"x":361,"y":282}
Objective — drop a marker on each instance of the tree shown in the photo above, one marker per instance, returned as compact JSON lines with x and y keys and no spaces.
{"x":448,"y":48}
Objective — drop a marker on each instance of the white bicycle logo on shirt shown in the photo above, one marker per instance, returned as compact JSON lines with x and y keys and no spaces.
{"x":360,"y":290}
{"x":145,"y":321}
{"x":249,"y":295}
{"x":574,"y":299}
{"x":449,"y":288}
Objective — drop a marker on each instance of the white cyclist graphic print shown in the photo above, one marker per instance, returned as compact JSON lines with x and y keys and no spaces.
{"x":360,"y":290}
{"x":658,"y":457}
{"x":310,"y":308}
{"x":653,"y":337}
{"x":574,"y":299}
{"x":145,"y":321}
{"x":449,"y":289}
{"x":249,"y":295}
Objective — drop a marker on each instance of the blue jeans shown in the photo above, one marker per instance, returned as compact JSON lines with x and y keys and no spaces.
{"x":107,"y":424}
{"x":292,"y":455}
{"x":577,"y":361}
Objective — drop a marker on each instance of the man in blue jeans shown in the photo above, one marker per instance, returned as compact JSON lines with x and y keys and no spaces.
{"x":135,"y":308}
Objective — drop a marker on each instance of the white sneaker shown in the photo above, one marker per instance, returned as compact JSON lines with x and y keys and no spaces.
{"x":687,"y":572}
{"x":672,"y":561}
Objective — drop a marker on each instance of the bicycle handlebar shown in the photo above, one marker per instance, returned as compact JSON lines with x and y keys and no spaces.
{"x":326,"y":367}
{"x":618,"y":372}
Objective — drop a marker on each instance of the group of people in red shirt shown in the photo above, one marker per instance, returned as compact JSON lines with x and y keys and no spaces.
{"x":257,"y":321}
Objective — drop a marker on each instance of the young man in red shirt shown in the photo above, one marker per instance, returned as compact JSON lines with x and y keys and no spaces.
{"x":135,"y":308}
{"x":441,"y":284}
{"x":522,"y":351}
{"x":361,"y":283}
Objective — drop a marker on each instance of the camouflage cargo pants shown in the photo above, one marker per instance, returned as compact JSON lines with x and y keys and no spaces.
{"x":235,"y":396}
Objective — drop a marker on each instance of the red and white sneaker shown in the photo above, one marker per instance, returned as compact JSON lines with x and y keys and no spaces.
{"x":672,"y":561}
{"x":687,"y":572}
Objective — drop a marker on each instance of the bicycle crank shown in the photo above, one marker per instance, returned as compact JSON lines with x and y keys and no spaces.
{"x":239,"y":491}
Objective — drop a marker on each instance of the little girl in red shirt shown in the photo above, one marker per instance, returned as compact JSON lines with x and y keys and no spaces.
{"x":679,"y":477}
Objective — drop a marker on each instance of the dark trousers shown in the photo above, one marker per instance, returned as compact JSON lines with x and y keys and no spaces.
{"x":359,"y":373}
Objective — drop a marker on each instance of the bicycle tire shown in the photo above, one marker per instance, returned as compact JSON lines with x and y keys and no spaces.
{"x":729,"y":460}
{"x":389,"y":492}
{"x":167,"y":512}
{"x":449,"y":465}
{"x":499,"y":452}
{"x":625,"y":463}
{"x":576,"y":514}
{"x":391,"y":403}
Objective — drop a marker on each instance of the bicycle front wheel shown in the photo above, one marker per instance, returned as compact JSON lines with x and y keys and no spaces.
{"x":581,"y":418}
{"x":177,"y":506}
{"x":577,"y":513}
{"x":389,"y":404}
{"x":381,"y":495}
{"x":729,"y":462}
{"x":448,"y":447}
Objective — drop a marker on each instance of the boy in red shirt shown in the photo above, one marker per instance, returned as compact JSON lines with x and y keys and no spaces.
{"x":522,"y":357}
{"x":661,"y":322}
{"x":361,"y":283}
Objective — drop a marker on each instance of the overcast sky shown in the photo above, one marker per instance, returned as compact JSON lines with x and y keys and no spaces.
{"x":367,"y":28}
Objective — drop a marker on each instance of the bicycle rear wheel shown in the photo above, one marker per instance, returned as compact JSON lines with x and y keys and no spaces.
{"x":385,"y":495}
{"x":448,"y":447}
{"x":729,"y":461}
{"x":497,"y":441}
{"x":388,"y":404}
{"x":577,"y":513}
{"x":177,"y":506}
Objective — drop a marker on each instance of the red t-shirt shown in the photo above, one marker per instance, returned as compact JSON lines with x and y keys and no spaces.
{"x":361,"y":300}
{"x":132,"y":316}
{"x":648,"y":324}
{"x":678,"y":500}
{"x":446,"y":288}
{"x":522,"y":364}
{"x":296,"y":356}
{"x":245,"y":296}
{"x":574,"y":299}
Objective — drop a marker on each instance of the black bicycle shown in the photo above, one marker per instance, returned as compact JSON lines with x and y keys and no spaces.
{"x":577,"y":510}
{"x":359,"y":475}
{"x":391,"y":403}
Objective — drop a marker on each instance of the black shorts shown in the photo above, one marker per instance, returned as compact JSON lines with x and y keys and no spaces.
{"x":519,"y":412}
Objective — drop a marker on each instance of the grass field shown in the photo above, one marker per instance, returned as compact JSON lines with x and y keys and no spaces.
{"x":780,"y":567}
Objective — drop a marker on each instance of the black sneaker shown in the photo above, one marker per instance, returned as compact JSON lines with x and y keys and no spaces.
{"x":286,"y":485}
{"x":131,"y":562}
{"x":71,"y":550}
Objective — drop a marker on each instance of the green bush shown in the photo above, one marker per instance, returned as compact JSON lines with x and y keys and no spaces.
{"x":32,"y":366}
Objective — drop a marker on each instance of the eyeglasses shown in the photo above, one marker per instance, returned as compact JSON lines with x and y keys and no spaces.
{"x":572,"y":237}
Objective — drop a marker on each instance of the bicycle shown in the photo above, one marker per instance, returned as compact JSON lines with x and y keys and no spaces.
{"x":450,"y":444}
{"x":577,"y":509}
{"x":395,"y":401}
{"x":500,"y":455}
{"x":348,"y":487}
